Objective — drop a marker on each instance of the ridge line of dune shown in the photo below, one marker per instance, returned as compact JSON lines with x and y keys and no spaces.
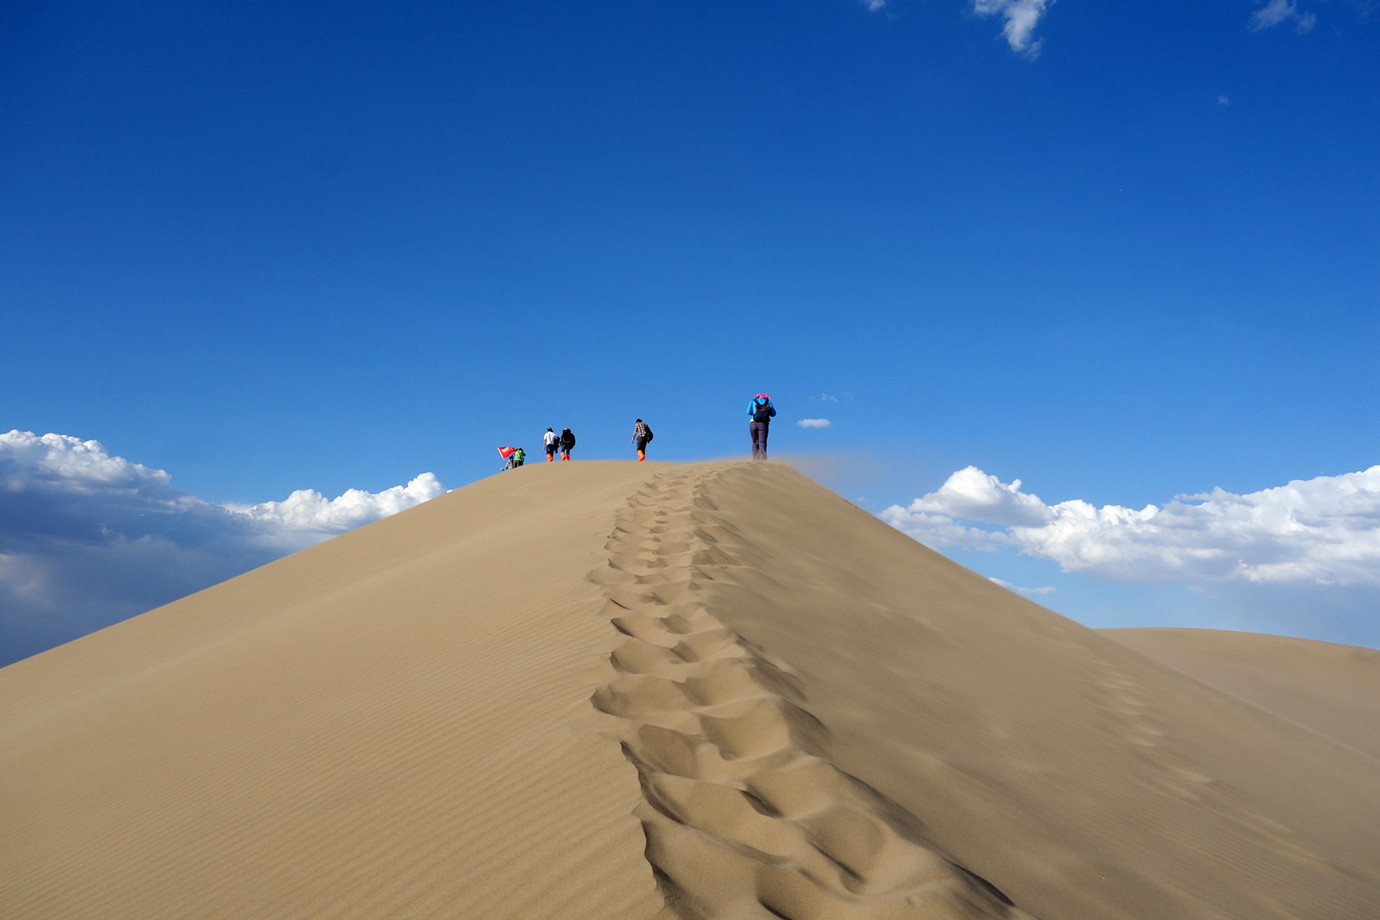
{"x":744,"y":815}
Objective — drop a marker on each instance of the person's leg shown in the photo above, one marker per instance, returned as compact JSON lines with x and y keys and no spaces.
{"x":766,"y":427}
{"x":755,"y":429}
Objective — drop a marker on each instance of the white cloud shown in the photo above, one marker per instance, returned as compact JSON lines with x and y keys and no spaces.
{"x":941,"y":531}
{"x":873,"y":6}
{"x":813,"y":423}
{"x":971,"y":493}
{"x":1323,"y":531}
{"x":1223,"y":100}
{"x":88,"y":539}
{"x":1278,"y":12}
{"x":1021,"y":18}
{"x":306,"y":515}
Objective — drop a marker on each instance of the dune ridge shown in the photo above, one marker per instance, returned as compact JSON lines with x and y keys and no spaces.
{"x":617,"y":690}
{"x":744,"y":817}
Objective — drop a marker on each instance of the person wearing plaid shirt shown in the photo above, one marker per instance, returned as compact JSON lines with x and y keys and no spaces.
{"x":640,"y":436}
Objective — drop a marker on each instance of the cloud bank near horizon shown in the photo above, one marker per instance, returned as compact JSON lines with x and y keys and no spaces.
{"x":88,"y":539}
{"x":1303,"y":557}
{"x":1323,"y":531}
{"x":306,"y":516}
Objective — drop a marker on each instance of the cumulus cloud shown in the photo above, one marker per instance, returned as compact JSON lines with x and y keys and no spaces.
{"x":307,"y":516}
{"x":941,"y":531}
{"x":971,"y":493}
{"x":88,"y":539}
{"x":1021,"y":18}
{"x":813,"y":423}
{"x":1280,"y":12}
{"x":1322,"y":531}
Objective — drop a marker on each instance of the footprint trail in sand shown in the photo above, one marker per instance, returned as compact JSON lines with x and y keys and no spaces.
{"x":732,"y":774}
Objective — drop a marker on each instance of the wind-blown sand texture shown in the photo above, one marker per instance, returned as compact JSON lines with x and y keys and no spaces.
{"x":1332,"y":689}
{"x":608,"y":690}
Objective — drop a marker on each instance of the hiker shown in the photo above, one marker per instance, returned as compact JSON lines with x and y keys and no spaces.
{"x":642,"y":434}
{"x":567,"y":443}
{"x":519,"y":457}
{"x":761,"y":412}
{"x":551,"y":441}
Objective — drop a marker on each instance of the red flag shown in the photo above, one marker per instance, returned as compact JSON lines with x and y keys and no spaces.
{"x":506,"y":452}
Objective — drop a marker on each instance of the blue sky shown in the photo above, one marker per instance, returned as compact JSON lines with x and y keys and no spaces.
{"x":1120,"y":253}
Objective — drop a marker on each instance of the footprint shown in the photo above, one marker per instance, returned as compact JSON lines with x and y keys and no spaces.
{"x":637,"y":656}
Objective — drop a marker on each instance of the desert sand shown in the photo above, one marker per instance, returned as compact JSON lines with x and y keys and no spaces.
{"x":620,"y":690}
{"x":1331,"y":689}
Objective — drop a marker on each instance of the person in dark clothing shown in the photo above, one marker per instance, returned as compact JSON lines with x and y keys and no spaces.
{"x":640,"y":436}
{"x":760,"y":413}
{"x":567,"y":443}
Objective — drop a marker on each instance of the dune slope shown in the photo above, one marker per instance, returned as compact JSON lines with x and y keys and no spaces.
{"x":1329,"y":688}
{"x":1081,"y":778}
{"x":599,"y":690}
{"x":395,"y":723}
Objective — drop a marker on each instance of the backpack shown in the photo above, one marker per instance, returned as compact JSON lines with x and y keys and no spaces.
{"x":649,"y":432}
{"x":762,"y":413}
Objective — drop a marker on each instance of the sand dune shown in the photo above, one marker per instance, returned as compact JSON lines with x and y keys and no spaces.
{"x":1331,"y":689}
{"x":607,"y":690}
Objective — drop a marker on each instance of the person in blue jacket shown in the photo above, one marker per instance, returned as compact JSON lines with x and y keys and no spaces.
{"x":760,"y":412}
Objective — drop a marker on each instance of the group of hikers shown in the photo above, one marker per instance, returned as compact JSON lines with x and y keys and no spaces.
{"x":760,"y":413}
{"x":563,"y":443}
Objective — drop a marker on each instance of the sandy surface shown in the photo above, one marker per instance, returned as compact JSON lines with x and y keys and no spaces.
{"x":607,"y":690}
{"x":1331,"y":689}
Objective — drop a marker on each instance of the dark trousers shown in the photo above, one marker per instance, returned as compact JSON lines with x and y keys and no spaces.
{"x":759,"y":439}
